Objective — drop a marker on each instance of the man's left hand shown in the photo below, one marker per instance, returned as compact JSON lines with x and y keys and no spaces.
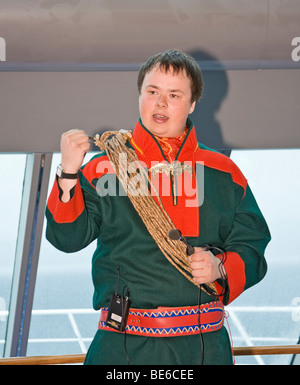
{"x":205,"y":266}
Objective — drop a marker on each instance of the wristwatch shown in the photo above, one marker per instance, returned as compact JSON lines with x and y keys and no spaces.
{"x":63,"y":175}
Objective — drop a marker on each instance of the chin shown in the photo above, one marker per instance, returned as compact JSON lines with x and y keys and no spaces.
{"x":159,"y":131}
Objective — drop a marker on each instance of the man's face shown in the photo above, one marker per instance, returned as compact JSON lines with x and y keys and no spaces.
{"x":165,"y":102}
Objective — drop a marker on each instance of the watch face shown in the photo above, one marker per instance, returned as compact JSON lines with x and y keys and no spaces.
{"x":59,"y":171}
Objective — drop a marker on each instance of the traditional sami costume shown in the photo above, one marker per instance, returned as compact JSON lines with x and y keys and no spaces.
{"x":163,"y":323}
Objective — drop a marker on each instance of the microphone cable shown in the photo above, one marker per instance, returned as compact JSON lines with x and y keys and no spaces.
{"x":199,"y":324}
{"x":175,"y":234}
{"x":125,"y":334}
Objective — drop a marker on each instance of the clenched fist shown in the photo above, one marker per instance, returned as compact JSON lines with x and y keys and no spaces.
{"x":74,"y":145}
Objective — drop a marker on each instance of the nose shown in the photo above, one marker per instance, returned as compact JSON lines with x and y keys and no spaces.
{"x":161,"y":101}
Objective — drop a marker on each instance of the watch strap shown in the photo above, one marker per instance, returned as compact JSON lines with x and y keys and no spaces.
{"x":63,"y":175}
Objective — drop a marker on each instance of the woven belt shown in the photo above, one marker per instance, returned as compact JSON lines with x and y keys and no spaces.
{"x":170,"y":321}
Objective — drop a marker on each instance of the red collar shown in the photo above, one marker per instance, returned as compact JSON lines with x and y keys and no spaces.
{"x":148,"y":147}
{"x":184,"y":216}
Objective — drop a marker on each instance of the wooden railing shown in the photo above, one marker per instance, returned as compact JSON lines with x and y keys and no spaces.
{"x":79,"y":358}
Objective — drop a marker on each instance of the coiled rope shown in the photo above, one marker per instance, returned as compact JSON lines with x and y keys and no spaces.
{"x":152,"y":213}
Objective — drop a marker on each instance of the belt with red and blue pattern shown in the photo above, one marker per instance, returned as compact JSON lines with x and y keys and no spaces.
{"x":171,"y":321}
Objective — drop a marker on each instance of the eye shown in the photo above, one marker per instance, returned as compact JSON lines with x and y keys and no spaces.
{"x":152,"y":92}
{"x":174,"y":96}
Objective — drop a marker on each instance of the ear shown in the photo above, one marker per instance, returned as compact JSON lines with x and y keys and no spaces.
{"x":192,"y":107}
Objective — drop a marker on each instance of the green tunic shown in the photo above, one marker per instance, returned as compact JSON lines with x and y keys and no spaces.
{"x":226,"y":215}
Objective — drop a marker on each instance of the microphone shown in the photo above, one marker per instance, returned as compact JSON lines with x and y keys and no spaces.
{"x":176,"y":235}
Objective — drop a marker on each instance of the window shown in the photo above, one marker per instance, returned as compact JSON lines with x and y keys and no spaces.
{"x":12,"y":168}
{"x":268,"y":313}
{"x":63,"y":321}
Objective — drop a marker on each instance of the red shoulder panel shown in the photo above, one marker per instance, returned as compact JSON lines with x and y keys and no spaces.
{"x":96,"y":168}
{"x":222,"y":163}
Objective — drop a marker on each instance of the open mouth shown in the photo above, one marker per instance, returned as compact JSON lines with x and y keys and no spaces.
{"x":160,"y":118}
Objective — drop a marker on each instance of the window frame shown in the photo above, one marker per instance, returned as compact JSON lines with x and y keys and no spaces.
{"x":35,"y":187}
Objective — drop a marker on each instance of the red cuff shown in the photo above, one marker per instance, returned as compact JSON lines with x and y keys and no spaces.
{"x":65,"y":212}
{"x":235,"y":271}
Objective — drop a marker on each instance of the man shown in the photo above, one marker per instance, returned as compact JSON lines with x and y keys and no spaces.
{"x":164,"y":325}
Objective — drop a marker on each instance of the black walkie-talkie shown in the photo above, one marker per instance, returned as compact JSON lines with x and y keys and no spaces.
{"x":118,"y":309}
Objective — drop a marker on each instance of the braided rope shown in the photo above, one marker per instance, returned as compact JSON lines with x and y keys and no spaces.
{"x":153,"y":214}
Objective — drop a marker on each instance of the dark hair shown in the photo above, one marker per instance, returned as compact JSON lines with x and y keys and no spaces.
{"x":178,"y":61}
